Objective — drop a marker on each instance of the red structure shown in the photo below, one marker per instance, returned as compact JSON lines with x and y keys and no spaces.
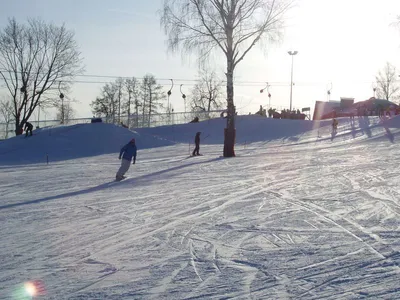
{"x":346,"y":107}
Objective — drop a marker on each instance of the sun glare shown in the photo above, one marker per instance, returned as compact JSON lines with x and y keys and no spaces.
{"x":30,"y":288}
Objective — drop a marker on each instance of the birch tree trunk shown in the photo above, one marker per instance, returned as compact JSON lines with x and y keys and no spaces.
{"x":230,"y":131}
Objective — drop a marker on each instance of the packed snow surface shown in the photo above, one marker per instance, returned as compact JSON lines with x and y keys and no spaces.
{"x":297,"y":214}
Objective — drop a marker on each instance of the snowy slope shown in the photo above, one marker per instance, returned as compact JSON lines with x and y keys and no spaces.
{"x":251,"y":128}
{"x":71,"y":142}
{"x":296,"y":215}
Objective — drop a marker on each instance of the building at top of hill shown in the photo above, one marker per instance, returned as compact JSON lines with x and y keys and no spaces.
{"x":346,"y":107}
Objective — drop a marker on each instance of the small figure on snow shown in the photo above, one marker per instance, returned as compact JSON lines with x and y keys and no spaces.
{"x":334,"y":126}
{"x":195,"y":120}
{"x":127,"y":152}
{"x":197,"y":143}
{"x":28,"y":129}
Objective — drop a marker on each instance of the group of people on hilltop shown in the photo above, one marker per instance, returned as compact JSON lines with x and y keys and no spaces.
{"x":288,"y":114}
{"x":284,"y":114}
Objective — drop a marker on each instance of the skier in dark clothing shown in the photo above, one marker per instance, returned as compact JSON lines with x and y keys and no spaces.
{"x":197,"y":143}
{"x":127,"y":153}
{"x":334,"y":126}
{"x":28,"y":128}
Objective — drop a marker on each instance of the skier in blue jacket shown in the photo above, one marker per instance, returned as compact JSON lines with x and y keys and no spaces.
{"x":127,"y":152}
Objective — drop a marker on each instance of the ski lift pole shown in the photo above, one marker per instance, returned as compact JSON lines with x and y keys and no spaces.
{"x":169,"y":94}
{"x":184,"y":99}
{"x":62,"y":103}
{"x":269,"y":94}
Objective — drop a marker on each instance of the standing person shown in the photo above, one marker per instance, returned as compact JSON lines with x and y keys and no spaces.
{"x":197,"y":143}
{"x":127,"y":152}
{"x":352,"y":117}
{"x":28,"y":129}
{"x":334,"y":126}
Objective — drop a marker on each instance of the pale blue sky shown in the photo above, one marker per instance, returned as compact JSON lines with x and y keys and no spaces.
{"x":345,"y":42}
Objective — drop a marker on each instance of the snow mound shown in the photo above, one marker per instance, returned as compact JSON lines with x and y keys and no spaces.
{"x":249,"y":129}
{"x":85,"y":140}
{"x":71,"y":142}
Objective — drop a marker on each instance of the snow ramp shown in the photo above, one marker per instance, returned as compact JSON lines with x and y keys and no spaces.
{"x":249,"y":129}
{"x":72,"y":142}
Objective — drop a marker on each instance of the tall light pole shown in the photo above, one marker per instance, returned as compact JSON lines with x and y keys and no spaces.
{"x":291,"y":53}
{"x":168,"y":108}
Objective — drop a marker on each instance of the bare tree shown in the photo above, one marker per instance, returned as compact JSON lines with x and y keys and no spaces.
{"x":107,"y":104}
{"x":152,"y":95}
{"x":387,"y":86}
{"x":206,"y":93}
{"x":6,"y":113}
{"x":132,"y":87}
{"x":233,"y":26}
{"x":101,"y":107}
{"x":33,"y":58}
{"x":119,"y":86}
{"x":65,"y":112}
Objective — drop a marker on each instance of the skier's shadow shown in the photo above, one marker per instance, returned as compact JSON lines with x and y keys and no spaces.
{"x":103,"y":186}
{"x":353,"y":128}
{"x":70,"y":194}
{"x":389,"y":134}
{"x":141,"y":178}
{"x":364,"y":124}
{"x":333,"y":135}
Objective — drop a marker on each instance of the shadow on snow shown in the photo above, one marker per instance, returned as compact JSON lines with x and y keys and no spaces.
{"x":105,"y":185}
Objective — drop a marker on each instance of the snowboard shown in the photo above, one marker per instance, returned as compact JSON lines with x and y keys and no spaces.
{"x":118,"y":180}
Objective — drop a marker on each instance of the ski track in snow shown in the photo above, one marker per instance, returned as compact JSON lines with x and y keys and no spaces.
{"x":305,"y":218}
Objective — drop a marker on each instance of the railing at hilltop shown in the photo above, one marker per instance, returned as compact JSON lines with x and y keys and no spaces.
{"x":132,"y":121}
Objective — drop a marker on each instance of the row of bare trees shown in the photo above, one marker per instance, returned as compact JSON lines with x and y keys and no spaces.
{"x":125,"y":96}
{"x":145,"y":97}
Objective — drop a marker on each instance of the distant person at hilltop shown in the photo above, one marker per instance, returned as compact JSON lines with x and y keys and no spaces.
{"x":28,"y":129}
{"x":195,"y":120}
{"x":127,"y":152}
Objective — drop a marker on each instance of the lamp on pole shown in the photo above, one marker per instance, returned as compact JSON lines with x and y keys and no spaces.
{"x":183,"y":97}
{"x":328,"y":90}
{"x":291,"y":53}
{"x":169,"y":94}
{"x":62,"y":104}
